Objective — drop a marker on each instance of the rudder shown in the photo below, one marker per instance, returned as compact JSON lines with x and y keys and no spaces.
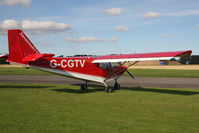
{"x":19,"y":46}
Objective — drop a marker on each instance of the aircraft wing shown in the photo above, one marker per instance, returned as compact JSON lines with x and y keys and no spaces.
{"x":140,"y":57}
{"x":4,"y":56}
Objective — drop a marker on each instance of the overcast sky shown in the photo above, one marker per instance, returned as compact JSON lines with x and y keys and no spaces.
{"x":68,"y":27}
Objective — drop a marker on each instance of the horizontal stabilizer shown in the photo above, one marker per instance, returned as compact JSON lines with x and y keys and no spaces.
{"x":4,"y":56}
{"x":141,"y":57}
{"x":34,"y":57}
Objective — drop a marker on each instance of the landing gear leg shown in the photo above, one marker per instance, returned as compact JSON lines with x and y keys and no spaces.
{"x":107,"y":88}
{"x":116,"y":85}
{"x":84,"y":86}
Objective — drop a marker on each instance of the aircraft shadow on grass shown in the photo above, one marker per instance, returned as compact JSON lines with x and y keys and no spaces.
{"x":98,"y":88}
{"x":166,"y":91}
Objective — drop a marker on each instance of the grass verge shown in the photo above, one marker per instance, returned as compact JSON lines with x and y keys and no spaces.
{"x":64,"y":108}
{"x":21,"y":71}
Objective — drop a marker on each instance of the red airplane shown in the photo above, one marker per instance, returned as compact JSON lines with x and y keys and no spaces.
{"x":88,"y":68}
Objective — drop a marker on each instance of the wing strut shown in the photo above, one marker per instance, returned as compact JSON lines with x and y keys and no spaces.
{"x":130,"y":74}
{"x":130,"y":66}
{"x":117,"y":72}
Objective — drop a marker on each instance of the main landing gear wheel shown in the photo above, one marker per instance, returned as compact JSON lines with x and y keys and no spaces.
{"x":116,"y":86}
{"x":84,"y":86}
{"x":108,"y":89}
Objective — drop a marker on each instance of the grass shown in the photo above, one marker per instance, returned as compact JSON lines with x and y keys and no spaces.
{"x":63,"y":108}
{"x":21,"y":71}
{"x":135,"y":72}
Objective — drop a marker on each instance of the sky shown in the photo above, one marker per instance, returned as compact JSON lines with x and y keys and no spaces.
{"x":101,"y":27}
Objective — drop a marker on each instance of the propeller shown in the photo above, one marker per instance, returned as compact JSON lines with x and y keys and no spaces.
{"x":130,"y":74}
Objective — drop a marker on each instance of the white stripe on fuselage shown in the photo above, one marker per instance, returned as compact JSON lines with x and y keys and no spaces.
{"x":73,"y":74}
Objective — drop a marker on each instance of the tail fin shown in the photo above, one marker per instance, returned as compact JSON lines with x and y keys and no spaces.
{"x":19,"y":46}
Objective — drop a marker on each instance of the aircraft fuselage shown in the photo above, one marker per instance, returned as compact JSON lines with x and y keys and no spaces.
{"x":78,"y":67}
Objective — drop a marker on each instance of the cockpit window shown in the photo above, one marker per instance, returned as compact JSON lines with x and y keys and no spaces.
{"x":104,"y":65}
{"x":109,"y":65}
{"x":116,"y":64}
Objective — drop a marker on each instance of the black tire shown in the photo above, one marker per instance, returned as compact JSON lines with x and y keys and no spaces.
{"x":108,"y":90}
{"x":83,"y":87}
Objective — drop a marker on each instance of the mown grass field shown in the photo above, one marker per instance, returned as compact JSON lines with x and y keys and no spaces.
{"x":40,"y":108}
{"x":135,"y":72}
{"x":21,"y":71}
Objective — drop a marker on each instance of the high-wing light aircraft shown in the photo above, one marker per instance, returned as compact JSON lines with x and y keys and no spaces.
{"x":89,"y":68}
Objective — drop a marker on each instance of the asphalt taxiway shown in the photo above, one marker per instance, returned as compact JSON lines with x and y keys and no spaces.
{"x":124,"y":81}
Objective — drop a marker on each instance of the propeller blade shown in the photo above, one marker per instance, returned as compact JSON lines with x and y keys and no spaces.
{"x":130,"y":74}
